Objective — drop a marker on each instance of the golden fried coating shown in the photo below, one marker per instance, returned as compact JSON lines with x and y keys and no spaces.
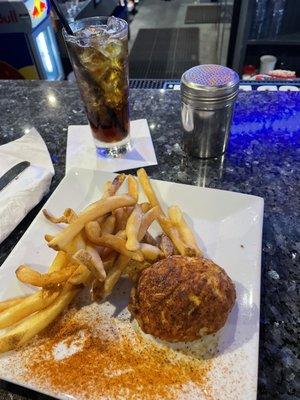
{"x":182,"y":298}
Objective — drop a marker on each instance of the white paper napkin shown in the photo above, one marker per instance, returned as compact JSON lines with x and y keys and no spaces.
{"x":26,"y":191}
{"x":81,"y":151}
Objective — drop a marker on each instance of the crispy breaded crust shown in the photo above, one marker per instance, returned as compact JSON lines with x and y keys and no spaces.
{"x":182,"y":298}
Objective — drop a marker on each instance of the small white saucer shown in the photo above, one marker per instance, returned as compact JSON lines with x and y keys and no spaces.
{"x":82,"y":153}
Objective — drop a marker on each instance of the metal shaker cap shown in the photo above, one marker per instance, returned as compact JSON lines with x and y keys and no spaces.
{"x":209,"y":82}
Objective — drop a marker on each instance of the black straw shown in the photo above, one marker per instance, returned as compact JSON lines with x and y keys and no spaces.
{"x":61,"y":17}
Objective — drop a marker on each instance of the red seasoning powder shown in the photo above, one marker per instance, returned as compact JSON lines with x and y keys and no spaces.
{"x":90,"y":356}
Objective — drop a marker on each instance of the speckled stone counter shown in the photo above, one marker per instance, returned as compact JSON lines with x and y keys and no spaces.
{"x":262,"y":159}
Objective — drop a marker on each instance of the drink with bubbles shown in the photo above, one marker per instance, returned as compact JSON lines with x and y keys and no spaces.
{"x":99,"y":54}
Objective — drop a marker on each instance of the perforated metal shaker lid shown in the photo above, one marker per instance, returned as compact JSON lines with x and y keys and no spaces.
{"x":209,"y":82}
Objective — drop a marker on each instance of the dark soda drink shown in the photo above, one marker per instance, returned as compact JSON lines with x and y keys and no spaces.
{"x":99,"y":54}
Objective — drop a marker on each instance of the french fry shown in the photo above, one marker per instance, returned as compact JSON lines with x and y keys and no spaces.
{"x":48,"y":237}
{"x":77,"y":243}
{"x":92,"y":230}
{"x":182,"y":248}
{"x":146,"y":185}
{"x":114,"y":274}
{"x":91,"y":259}
{"x":110,"y":189}
{"x":166,"y":245}
{"x":133,"y":227}
{"x":14,"y":310}
{"x":121,"y":220}
{"x":73,"y":246}
{"x":108,"y":225}
{"x":107,"y":189}
{"x":127,"y":213}
{"x":96,"y":210}
{"x":101,"y":219}
{"x":105,"y":252}
{"x":121,"y":234}
{"x":115,"y":185}
{"x":68,"y":216}
{"x":134,"y":268}
{"x":122,"y":261}
{"x":60,"y":261}
{"x":118,"y":244}
{"x":35,"y":323}
{"x":109,"y":261}
{"x":185,"y":232}
{"x":55,"y":220}
{"x":72,"y":242}
{"x":145,"y":207}
{"x":162,"y":220}
{"x":30,"y":276}
{"x":93,"y":234}
{"x":174,"y":235}
{"x":27,"y":306}
{"x":122,"y":215}
{"x":148,"y":238}
{"x":4,"y":305}
{"x":147,"y":220}
{"x":115,"y":242}
{"x":151,"y":253}
{"x":80,"y":276}
{"x":82,"y":273}
{"x":133,"y":188}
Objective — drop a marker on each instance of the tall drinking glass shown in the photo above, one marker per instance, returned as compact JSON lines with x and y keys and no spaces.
{"x":98,"y":51}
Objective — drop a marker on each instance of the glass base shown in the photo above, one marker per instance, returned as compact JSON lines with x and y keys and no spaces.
{"x":113,"y":150}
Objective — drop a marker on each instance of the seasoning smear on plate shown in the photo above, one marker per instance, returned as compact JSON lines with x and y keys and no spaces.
{"x":89,"y":355}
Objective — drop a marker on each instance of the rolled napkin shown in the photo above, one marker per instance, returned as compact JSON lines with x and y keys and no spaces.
{"x":27,"y":190}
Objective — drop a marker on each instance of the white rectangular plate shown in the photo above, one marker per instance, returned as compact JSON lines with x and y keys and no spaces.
{"x":229,"y":230}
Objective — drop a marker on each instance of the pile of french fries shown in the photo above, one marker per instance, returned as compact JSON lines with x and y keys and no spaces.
{"x":97,"y":245}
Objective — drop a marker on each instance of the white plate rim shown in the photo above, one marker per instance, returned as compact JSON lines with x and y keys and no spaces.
{"x":260,"y":204}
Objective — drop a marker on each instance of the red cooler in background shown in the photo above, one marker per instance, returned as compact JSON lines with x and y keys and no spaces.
{"x":28,"y":48}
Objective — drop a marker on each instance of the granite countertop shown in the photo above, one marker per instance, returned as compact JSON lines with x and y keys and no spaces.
{"x":262,"y":159}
